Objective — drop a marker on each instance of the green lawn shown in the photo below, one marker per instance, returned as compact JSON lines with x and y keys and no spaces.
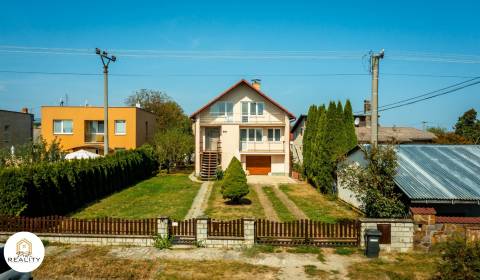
{"x":165,"y":195}
{"x":283,"y":213}
{"x":317,"y":206}
{"x":218,"y":208}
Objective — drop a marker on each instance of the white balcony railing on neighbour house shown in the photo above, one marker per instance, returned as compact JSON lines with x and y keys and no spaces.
{"x":262,"y":146}
{"x":244,"y":119}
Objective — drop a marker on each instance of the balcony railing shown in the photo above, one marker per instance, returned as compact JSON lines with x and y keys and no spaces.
{"x":243,"y":119}
{"x":94,"y":137}
{"x":262,"y":146}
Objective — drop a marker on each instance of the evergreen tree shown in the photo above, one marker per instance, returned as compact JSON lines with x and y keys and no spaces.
{"x":349,"y":127}
{"x":234,"y":185}
{"x":339,"y":131}
{"x":468,"y":126}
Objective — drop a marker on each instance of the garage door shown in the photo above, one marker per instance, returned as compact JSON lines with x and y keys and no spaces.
{"x":259,"y":165}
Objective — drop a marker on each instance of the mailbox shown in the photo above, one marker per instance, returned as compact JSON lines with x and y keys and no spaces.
{"x":372,"y":243}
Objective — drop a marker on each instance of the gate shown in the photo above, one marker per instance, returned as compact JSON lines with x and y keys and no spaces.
{"x":308,"y":232}
{"x":183,"y":232}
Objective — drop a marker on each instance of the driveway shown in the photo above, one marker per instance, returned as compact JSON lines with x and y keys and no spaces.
{"x":269,"y":180}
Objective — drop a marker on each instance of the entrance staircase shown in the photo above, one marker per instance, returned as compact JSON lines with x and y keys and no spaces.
{"x":209,"y":163}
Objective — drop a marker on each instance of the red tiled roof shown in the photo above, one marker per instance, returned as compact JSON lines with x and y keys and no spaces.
{"x":290,"y":115}
{"x":457,"y":220}
{"x":423,"y":210}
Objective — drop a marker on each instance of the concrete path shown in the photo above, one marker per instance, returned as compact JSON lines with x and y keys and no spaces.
{"x":292,"y":207}
{"x":270,"y":213}
{"x":201,"y":201}
{"x":269,"y":180}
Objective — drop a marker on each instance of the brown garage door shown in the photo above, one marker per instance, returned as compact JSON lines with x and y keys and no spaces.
{"x":259,"y":165}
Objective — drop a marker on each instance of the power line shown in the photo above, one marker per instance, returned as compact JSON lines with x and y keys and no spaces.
{"x":430,"y":97}
{"x":236,"y":74}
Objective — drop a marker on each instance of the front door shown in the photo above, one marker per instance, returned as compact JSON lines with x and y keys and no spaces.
{"x":212,"y":138}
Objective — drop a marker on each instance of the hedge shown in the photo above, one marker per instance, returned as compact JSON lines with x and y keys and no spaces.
{"x":62,"y":187}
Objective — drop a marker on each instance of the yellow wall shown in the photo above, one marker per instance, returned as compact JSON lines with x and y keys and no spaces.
{"x":135,"y":126}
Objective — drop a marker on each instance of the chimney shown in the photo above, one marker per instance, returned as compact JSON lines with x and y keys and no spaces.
{"x":25,"y":110}
{"x":256,"y":83}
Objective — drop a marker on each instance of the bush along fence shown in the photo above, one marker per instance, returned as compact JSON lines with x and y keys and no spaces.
{"x":397,"y":234}
{"x":62,"y":187}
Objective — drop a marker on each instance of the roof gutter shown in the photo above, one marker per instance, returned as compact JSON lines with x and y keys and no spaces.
{"x":445,"y":201}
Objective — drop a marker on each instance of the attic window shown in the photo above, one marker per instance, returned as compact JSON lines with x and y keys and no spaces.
{"x":222,"y":108}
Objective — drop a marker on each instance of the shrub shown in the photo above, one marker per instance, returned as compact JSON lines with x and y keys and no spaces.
{"x":234,"y":184}
{"x":164,"y":242}
{"x":460,"y":260}
{"x":61,"y":187}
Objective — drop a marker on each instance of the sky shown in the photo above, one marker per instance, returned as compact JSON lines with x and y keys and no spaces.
{"x":194,"y":50}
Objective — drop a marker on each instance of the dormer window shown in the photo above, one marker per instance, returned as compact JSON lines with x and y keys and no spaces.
{"x":222,"y":108}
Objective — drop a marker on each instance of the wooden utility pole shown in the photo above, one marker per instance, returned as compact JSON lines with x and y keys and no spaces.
{"x":375,"y":61}
{"x":105,"y":61}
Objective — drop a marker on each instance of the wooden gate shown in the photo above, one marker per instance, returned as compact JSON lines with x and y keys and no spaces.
{"x":308,"y":232}
{"x":183,"y":232}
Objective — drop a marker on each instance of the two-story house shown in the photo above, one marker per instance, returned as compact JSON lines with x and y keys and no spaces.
{"x":82,"y":127}
{"x":242,"y":122}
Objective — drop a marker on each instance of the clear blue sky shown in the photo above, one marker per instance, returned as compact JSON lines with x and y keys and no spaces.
{"x":255,"y":27}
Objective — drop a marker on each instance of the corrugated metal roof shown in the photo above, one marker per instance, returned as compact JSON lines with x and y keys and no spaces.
{"x":439,"y":172}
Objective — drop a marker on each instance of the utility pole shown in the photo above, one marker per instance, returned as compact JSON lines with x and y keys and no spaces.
{"x":374,"y":62}
{"x":105,"y":61}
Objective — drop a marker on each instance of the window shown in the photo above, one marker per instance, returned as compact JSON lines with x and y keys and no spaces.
{"x":95,"y":127}
{"x":251,"y":134}
{"x":62,"y":126}
{"x":252,"y":108}
{"x":274,"y":134}
{"x":120,"y":127}
{"x":222,"y":108}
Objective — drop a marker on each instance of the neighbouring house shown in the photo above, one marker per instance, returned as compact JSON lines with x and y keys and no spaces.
{"x":82,"y":127}
{"x":363,"y":130}
{"x":246,"y":123}
{"x":444,"y":178}
{"x":16,"y":128}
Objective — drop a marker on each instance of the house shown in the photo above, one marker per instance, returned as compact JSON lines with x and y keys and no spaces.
{"x":246,"y":123}
{"x":363,"y":130}
{"x":440,"y":177}
{"x":16,"y":128}
{"x":82,"y":127}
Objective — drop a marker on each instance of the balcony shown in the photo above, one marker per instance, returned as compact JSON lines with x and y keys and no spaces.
{"x":214,"y":145}
{"x":94,"y":137}
{"x":262,"y":146}
{"x":266,"y":118}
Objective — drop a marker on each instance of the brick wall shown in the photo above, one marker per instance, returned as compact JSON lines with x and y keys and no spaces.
{"x":401,"y":233}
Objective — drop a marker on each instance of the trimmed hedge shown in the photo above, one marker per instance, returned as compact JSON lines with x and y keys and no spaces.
{"x":60,"y":188}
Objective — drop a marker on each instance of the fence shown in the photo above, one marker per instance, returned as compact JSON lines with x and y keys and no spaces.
{"x":307,"y":232}
{"x":66,"y":225}
{"x":183,"y":232}
{"x":232,"y":228}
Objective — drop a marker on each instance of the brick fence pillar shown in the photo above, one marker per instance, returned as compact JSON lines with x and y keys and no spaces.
{"x":249,"y":232}
{"x":162,"y":226}
{"x":202,"y":233}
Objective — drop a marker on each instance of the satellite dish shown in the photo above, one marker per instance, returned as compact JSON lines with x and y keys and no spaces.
{"x":357,"y":121}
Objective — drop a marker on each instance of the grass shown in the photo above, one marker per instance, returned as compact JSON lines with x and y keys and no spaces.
{"x":303,"y":249}
{"x":317,"y":206}
{"x":313,"y":271}
{"x":283,"y":213}
{"x":84,"y":263}
{"x":257,"y":249}
{"x":345,"y":251}
{"x":218,"y":208}
{"x":165,"y":195}
{"x":408,"y":266}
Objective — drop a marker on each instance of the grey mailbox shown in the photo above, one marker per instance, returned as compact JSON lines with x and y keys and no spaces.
{"x":372,"y":243}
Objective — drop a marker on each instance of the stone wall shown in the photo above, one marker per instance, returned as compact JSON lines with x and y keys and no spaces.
{"x":401,"y":233}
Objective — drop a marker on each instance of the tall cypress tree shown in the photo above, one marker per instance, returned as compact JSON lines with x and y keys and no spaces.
{"x":340,"y":131}
{"x":349,"y":130}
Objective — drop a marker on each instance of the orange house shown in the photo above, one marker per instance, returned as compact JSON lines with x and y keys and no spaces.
{"x":82,"y":127}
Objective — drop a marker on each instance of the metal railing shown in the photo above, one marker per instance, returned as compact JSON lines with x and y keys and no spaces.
{"x":94,"y":137}
{"x":262,"y":146}
{"x":266,"y":118}
{"x":212,"y":146}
